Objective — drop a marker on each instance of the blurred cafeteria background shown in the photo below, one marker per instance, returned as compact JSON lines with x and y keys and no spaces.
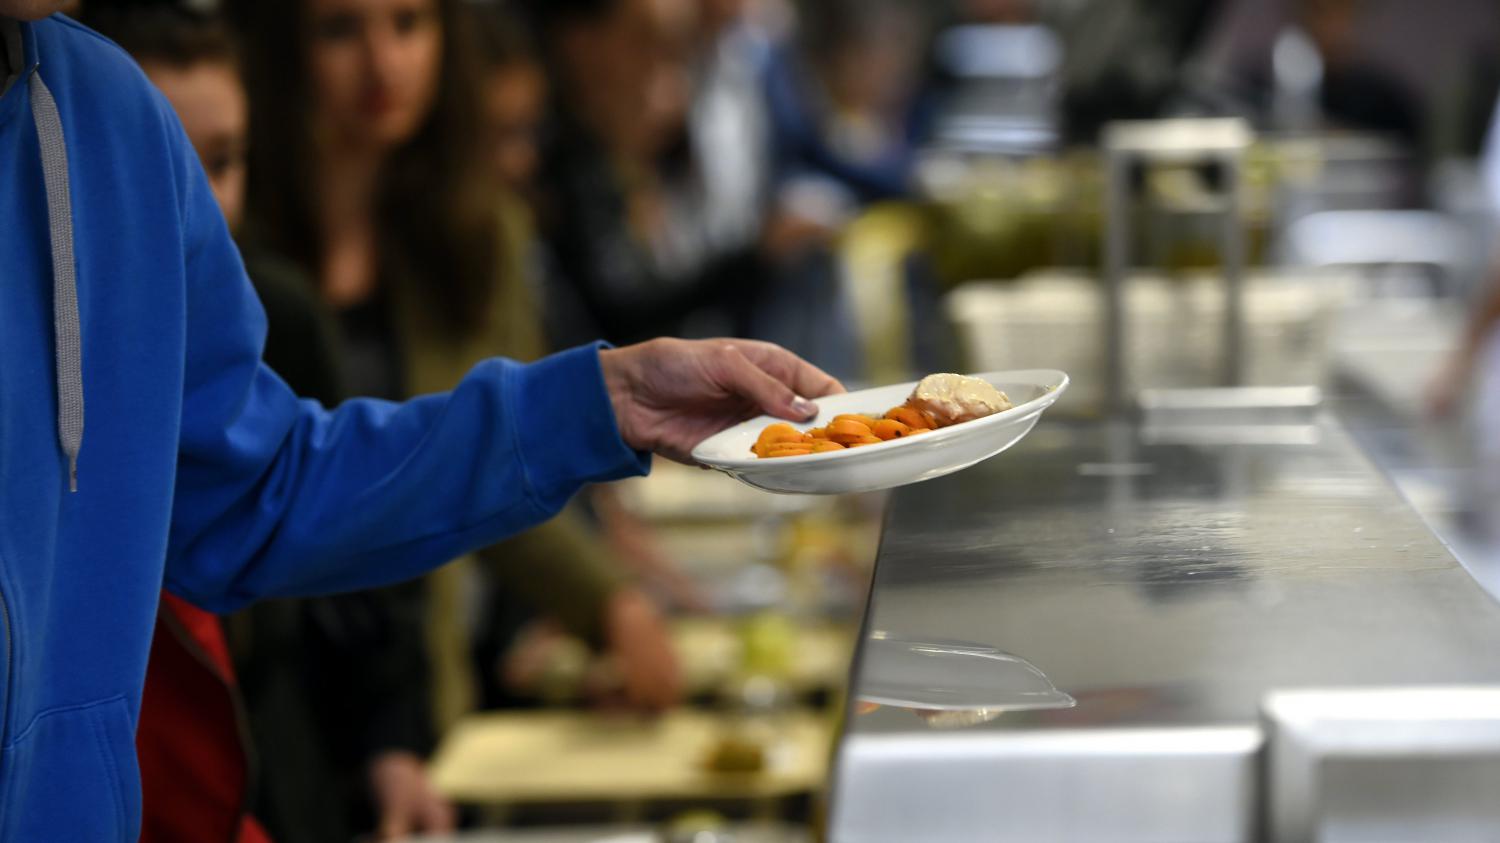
{"x":1149,"y":194}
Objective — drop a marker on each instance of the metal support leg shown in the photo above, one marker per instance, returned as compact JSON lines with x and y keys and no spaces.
{"x":1116,"y":267}
{"x":1232,"y":255}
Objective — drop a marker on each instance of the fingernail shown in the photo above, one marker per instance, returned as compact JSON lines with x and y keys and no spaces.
{"x":807,"y":408}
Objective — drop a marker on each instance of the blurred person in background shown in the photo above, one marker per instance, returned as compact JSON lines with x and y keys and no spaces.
{"x":1448,"y":389}
{"x":997,"y":12}
{"x":513,"y":97}
{"x":1309,"y":65}
{"x":371,"y":179}
{"x":847,"y":105}
{"x":332,"y":690}
{"x":743,"y":199}
{"x":658,"y":195}
{"x":626,"y":258}
{"x":1353,"y":92}
{"x":1131,"y":60}
{"x":511,"y":643}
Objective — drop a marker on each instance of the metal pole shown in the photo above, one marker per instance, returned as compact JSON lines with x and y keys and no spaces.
{"x":1116,"y":268}
{"x":1232,"y":251}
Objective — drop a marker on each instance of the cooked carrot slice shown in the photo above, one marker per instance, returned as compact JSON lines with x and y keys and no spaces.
{"x":818,"y":433}
{"x":888,"y":429}
{"x":779,"y":432}
{"x":825,"y":445}
{"x":866,"y":440}
{"x":848,"y":427}
{"x":863,"y":419}
{"x":911,"y":417}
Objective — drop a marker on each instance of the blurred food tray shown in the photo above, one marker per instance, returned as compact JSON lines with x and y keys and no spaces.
{"x":511,"y":758}
{"x":679,"y":493}
{"x":712,"y":649}
{"x":760,"y":832}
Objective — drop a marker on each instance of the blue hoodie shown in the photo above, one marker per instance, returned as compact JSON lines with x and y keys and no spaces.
{"x":198,"y":469}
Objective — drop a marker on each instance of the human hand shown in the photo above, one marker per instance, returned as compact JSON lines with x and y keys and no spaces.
{"x":405,"y":800}
{"x":637,"y":638}
{"x":787,"y":235}
{"x":639,"y":548}
{"x":1445,"y":392}
{"x":671,"y":394}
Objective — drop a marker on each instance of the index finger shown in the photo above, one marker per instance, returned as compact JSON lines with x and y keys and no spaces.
{"x":804,"y":378}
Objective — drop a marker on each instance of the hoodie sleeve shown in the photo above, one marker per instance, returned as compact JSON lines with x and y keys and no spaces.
{"x":277,"y":496}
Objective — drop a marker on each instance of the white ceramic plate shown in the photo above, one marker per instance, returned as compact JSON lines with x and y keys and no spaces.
{"x":889,"y":464}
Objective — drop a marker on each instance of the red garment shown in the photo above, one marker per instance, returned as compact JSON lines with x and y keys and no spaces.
{"x":195,"y":757}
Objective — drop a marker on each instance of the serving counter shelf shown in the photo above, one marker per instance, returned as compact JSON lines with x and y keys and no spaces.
{"x":1107,"y":635}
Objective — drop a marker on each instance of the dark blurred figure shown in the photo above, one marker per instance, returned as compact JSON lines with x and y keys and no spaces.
{"x":1128,"y":60}
{"x":756,"y":191}
{"x":510,"y":641}
{"x":847,"y":100}
{"x":689,"y":186}
{"x":1307,"y":65}
{"x":1003,"y":12}
{"x":1351,"y":92}
{"x":619,"y":214}
{"x":513,"y":94}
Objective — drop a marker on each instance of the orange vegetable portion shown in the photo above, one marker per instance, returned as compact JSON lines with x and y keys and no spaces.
{"x":847,"y":430}
{"x":779,"y":432}
{"x":911,"y":417}
{"x":888,"y":429}
{"x":842,"y":429}
{"x":775,"y":434}
{"x":848,"y":426}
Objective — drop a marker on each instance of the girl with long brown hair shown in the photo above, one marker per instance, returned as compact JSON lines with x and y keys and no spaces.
{"x":367,"y":171}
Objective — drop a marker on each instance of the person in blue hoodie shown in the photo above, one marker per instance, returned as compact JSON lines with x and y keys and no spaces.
{"x":122,"y":296}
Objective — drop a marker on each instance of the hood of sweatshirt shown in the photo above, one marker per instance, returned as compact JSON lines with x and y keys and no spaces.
{"x":54,"y":151}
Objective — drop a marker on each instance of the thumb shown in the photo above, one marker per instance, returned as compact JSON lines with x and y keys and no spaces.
{"x":395,"y":821}
{"x":747,"y":380}
{"x":439,"y":816}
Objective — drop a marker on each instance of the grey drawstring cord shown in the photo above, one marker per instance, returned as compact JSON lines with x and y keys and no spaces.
{"x":49,"y":135}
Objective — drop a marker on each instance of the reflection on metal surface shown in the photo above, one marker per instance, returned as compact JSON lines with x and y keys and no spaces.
{"x":1225,"y":434}
{"x":1115,"y":469}
{"x":1303,"y":400}
{"x":952,"y":684}
{"x":958,"y":719}
{"x":1246,"y":415}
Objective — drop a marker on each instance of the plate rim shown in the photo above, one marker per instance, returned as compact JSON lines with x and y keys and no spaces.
{"x":1019,"y":411}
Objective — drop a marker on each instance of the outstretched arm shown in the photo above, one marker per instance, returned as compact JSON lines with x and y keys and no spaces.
{"x":276,"y":496}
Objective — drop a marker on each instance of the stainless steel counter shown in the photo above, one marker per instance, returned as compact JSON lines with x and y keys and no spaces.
{"x":1082,"y":640}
